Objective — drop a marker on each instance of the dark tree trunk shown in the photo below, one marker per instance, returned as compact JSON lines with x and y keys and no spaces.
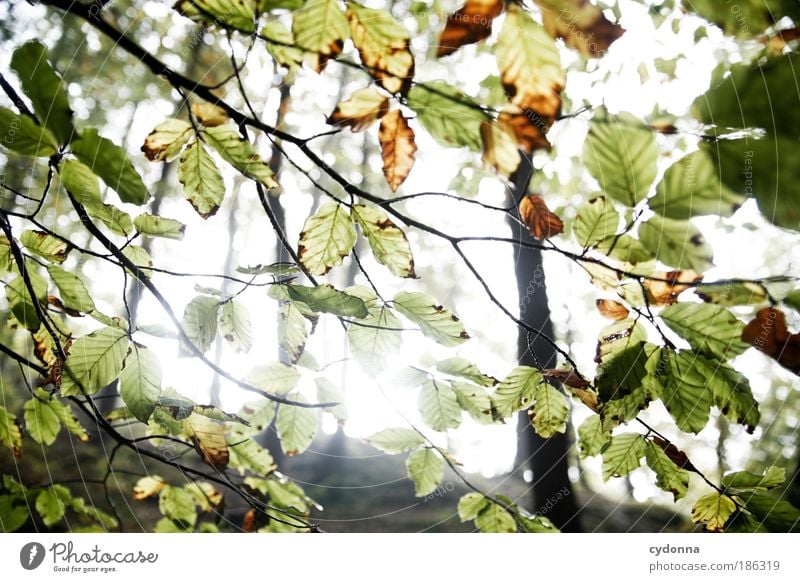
{"x":546,"y":458}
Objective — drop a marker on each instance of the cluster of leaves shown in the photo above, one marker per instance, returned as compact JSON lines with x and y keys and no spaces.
{"x":636,"y":237}
{"x":54,"y":504}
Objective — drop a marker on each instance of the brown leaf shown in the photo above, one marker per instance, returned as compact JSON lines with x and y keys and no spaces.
{"x":568,"y":377}
{"x":612,"y":309}
{"x":469,"y":24}
{"x":397,"y":148}
{"x":249,"y":521}
{"x":666,"y":287}
{"x":542,"y":223}
{"x":528,"y":127}
{"x":360,"y":110}
{"x":208,"y":114}
{"x":675,"y":455}
{"x":581,"y":24}
{"x":769,"y":334}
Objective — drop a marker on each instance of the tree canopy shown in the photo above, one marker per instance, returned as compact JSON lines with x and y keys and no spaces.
{"x":347,"y":110}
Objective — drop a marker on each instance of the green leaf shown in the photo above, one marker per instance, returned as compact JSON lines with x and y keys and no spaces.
{"x":516,"y":390}
{"x":112,"y":164}
{"x":777,"y":515}
{"x":691,"y":187}
{"x":277,"y":377}
{"x":621,"y":155}
{"x":50,"y":504}
{"x":327,"y":237}
{"x":46,"y":246}
{"x":470,"y":505}
{"x":438,"y":405}
{"x":10,"y":432}
{"x":596,"y":220}
{"x":151,"y":225}
{"x":79,"y":180}
{"x":669,"y":476}
{"x":434,"y":321}
{"x":748,"y":95}
{"x":495,"y":519}
{"x":396,"y":440}
{"x":296,"y":426}
{"x":200,"y":321}
{"x":326,"y":299}
{"x":140,"y":382}
{"x":21,"y":303}
{"x":713,"y":510}
{"x":139,"y":257}
{"x":624,"y":372}
{"x":426,"y":468}
{"x":235,"y":326}
{"x":178,"y":505}
{"x":167,"y":139}
{"x":463,"y":368}
{"x":474,"y":401}
{"x":239,"y":153}
{"x":677,"y":243}
{"x":710,"y":329}
{"x":73,"y":292}
{"x":283,"y":51}
{"x":624,"y":248}
{"x":617,"y":337}
{"x":13,"y":513}
{"x":771,"y":478}
{"x":327,"y":391}
{"x":452,"y":118}
{"x":202,"y":182}
{"x":732,"y":294}
{"x":248,"y":455}
{"x":237,"y":14}
{"x":686,"y":391}
{"x":42,"y":85}
{"x":94,"y":361}
{"x":41,"y":420}
{"x":65,"y":415}
{"x":388,"y":242}
{"x":731,"y":393}
{"x":622,"y":455}
{"x":321,"y":26}
{"x":550,"y":410}
{"x":20,"y":134}
{"x":592,"y":437}
{"x":292,"y":331}
{"x":537,"y":524}
{"x":752,"y":96}
{"x":749,"y":19}
{"x":377,"y":341}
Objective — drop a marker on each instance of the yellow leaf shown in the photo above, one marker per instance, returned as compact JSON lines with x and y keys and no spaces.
{"x":382,"y":43}
{"x":530,"y":65}
{"x":360,"y":110}
{"x":499,"y":148}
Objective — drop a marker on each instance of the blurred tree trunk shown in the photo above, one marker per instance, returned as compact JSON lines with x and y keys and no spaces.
{"x":548,"y":459}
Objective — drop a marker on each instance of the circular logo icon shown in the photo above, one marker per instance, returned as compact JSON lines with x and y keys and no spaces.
{"x":31,"y":555}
